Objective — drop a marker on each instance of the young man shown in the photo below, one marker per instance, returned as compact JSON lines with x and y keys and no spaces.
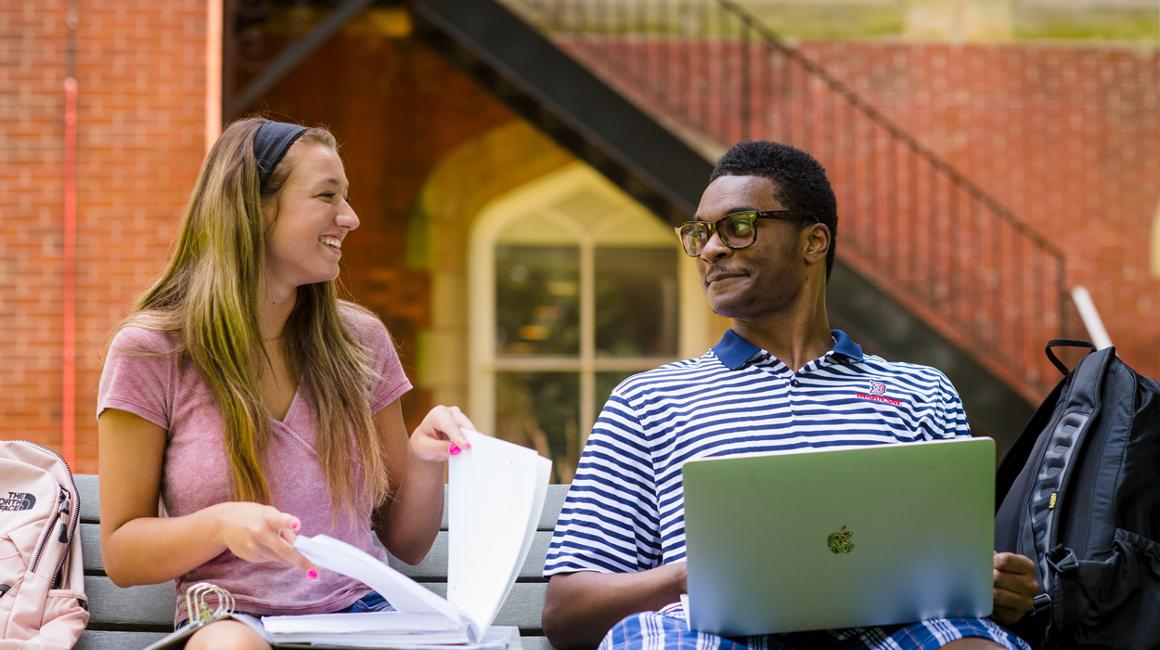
{"x":763,"y":241}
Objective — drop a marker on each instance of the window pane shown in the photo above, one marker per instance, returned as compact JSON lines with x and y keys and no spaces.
{"x":636,"y":302}
{"x":541,"y":410}
{"x":537,"y":300}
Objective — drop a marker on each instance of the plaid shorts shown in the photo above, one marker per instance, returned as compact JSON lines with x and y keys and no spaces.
{"x":667,"y":630}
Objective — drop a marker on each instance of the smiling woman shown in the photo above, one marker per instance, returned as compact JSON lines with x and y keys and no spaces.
{"x":257,"y":405}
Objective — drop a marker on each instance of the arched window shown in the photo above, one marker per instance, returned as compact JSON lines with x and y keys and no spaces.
{"x":573,"y":287}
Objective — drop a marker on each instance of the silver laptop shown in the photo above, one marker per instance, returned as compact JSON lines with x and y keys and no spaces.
{"x":849,"y":537}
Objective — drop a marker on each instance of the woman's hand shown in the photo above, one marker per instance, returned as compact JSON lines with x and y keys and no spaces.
{"x":440,"y":435}
{"x":260,"y":533}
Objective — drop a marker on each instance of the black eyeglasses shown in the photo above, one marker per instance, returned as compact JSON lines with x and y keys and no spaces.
{"x":736,"y":230}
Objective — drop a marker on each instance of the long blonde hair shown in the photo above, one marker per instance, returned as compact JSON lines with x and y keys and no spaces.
{"x":210,"y":293}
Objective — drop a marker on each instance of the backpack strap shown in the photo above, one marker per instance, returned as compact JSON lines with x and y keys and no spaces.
{"x":1049,"y":350}
{"x":1020,"y":451}
{"x":1067,"y":434}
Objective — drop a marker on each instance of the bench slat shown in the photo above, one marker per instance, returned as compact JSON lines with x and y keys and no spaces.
{"x":89,"y":492}
{"x":536,"y":642}
{"x":91,"y":502}
{"x":433,"y":567}
{"x":153,"y":605}
{"x":108,"y":640}
{"x":142,"y":606}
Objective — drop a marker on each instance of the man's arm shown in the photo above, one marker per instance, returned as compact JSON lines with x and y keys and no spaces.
{"x":581,"y":607}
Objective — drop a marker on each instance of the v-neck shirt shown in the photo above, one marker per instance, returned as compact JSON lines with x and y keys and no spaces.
{"x":143,"y":375}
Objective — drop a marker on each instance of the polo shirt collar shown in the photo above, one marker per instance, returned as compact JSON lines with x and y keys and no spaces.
{"x":735,"y":352}
{"x":845,"y":346}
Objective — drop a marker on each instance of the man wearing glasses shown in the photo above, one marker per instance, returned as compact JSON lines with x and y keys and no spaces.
{"x":763,"y":241}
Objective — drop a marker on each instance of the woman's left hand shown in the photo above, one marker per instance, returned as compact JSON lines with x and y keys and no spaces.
{"x":440,"y":435}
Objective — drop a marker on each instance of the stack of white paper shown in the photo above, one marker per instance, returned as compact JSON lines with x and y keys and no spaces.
{"x":495,"y":496}
{"x":380,"y":630}
{"x":369,"y":629}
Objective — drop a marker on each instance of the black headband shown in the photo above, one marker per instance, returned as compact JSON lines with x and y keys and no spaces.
{"x":271,"y":143}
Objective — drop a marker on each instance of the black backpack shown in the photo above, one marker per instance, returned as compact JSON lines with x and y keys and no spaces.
{"x":1079,"y":493}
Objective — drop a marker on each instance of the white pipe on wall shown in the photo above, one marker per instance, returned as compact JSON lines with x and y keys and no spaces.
{"x":1091,"y":318}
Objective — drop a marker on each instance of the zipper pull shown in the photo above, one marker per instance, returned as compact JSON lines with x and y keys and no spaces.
{"x":64,"y":510}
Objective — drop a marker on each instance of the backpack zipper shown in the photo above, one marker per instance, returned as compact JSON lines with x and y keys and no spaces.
{"x":65,"y":537}
{"x":67,"y":530}
{"x":61,"y":504}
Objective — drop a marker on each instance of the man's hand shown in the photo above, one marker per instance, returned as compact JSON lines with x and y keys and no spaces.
{"x":1015,"y":587}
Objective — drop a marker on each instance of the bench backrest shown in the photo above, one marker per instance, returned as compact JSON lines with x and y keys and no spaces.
{"x":135,"y":616}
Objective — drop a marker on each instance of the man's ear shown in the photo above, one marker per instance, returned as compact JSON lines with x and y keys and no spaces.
{"x":817,"y":243}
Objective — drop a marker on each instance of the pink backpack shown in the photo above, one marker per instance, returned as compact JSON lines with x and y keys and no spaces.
{"x":42,"y":587}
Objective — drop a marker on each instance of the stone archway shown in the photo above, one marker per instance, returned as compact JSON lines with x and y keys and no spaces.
{"x":454,"y":193}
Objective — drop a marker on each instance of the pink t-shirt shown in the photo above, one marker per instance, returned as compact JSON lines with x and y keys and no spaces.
{"x":141,"y":377}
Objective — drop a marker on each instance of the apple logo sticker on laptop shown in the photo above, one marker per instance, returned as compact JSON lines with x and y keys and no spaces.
{"x":841,"y":541}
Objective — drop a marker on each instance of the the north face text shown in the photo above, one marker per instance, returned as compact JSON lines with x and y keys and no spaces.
{"x":17,"y":501}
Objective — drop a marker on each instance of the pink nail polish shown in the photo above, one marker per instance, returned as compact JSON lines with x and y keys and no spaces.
{"x":312,"y":574}
{"x":294,"y":525}
{"x":454,"y":449}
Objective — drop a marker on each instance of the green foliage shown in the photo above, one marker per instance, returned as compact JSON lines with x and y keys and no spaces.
{"x":1106,"y":25}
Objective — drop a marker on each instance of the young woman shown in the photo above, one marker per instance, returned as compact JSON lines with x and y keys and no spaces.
{"x":256,"y":404}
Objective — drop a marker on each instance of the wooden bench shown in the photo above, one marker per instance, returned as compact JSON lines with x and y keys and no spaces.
{"x":134,"y":617}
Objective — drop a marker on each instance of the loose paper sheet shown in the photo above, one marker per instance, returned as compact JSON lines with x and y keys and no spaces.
{"x":404,"y":594}
{"x":496,"y":493}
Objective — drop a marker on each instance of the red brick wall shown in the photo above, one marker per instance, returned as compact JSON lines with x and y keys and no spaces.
{"x":397,"y":109}
{"x":140,"y":67}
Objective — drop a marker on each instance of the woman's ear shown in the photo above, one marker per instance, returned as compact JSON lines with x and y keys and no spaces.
{"x":270,"y":211}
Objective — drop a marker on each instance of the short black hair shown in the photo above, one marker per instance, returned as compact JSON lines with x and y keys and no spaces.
{"x":799,"y":181}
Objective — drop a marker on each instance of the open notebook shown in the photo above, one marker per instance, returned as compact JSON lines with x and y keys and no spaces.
{"x":495,"y":495}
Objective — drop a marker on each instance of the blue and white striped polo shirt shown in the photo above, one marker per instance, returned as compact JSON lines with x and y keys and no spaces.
{"x":624,"y":512}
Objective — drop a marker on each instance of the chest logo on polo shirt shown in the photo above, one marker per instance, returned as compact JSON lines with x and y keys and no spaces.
{"x":876,"y":392}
